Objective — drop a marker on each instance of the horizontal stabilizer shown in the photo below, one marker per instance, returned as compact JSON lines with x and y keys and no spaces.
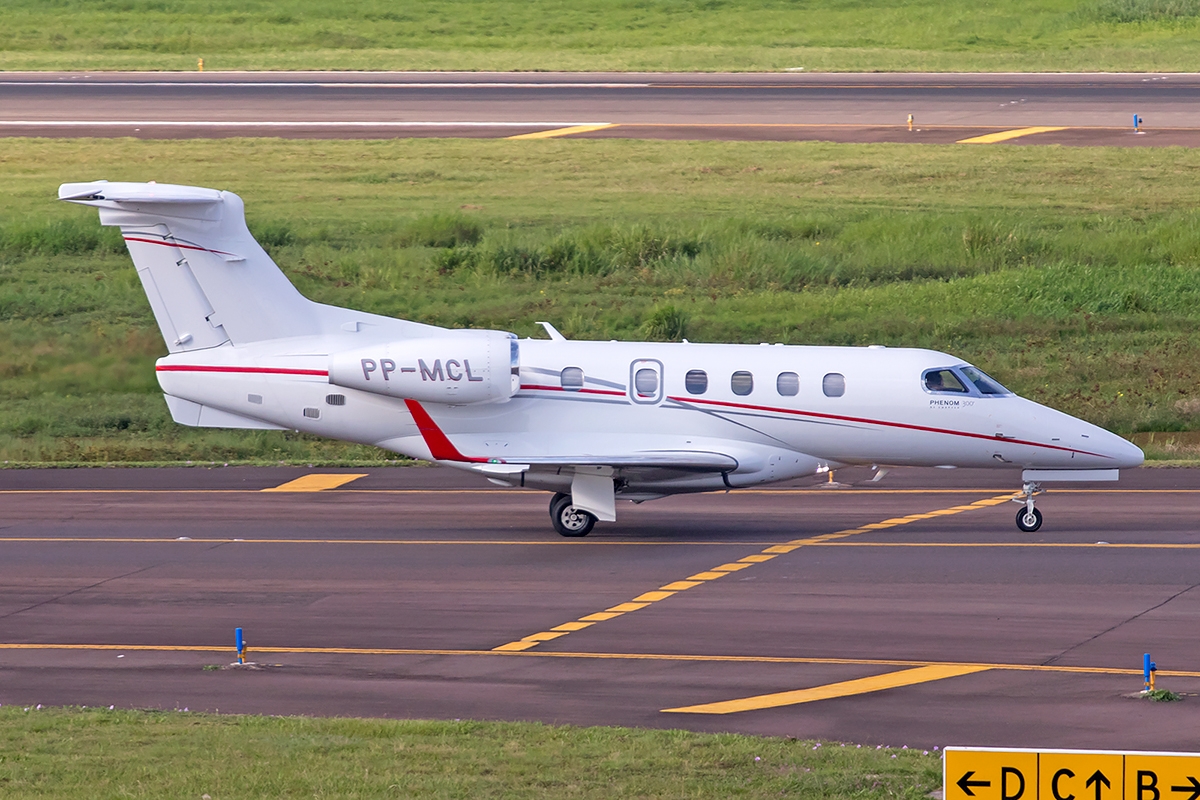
{"x":96,"y":192}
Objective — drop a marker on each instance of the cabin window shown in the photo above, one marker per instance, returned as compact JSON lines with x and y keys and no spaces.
{"x":834,"y":384}
{"x":335,"y":399}
{"x":742,"y":383}
{"x":788,"y":384}
{"x":696,"y":381}
{"x":572,"y":379}
{"x":984,"y":383}
{"x":944,"y":380}
{"x":645,"y":382}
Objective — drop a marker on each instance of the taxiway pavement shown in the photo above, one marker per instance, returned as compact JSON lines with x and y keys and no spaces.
{"x":1088,"y":109}
{"x":908,"y":611}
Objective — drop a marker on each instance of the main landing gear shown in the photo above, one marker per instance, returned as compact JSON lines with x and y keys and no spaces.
{"x":569,"y":520}
{"x":1029,"y":519}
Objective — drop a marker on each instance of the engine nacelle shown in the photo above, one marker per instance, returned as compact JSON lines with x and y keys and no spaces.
{"x":457,"y":369}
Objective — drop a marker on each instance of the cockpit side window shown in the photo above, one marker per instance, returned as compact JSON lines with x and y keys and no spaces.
{"x":944,"y":380}
{"x":984,"y":383}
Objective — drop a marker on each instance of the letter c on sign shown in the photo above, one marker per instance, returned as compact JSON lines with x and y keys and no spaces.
{"x":388,"y":366}
{"x":452,"y":370}
{"x":1062,"y":773}
{"x":1005,"y":772}
{"x":368,"y":365}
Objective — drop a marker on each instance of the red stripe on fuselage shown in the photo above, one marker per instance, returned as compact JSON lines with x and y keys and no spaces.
{"x":581,"y":391}
{"x":884,"y":423}
{"x":321,"y":373}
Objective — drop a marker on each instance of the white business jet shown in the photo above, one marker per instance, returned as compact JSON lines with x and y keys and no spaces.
{"x":593,"y":422}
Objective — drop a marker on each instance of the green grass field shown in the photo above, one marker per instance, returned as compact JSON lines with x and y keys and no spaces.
{"x":129,"y":754}
{"x":654,"y":35}
{"x":1069,"y":274}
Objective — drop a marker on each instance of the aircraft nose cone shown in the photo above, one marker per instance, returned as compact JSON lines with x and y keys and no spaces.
{"x":1127,"y":454}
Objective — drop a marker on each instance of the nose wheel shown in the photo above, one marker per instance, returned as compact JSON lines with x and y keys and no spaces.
{"x":569,"y":520}
{"x":1029,"y":519}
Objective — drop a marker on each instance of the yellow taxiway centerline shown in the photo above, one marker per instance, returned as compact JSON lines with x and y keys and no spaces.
{"x":816,"y":489}
{"x":1004,"y":136}
{"x":875,"y":683}
{"x":556,"y":132}
{"x":317,"y":482}
{"x":692,"y":581}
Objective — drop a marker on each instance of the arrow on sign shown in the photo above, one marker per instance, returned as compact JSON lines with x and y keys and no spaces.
{"x":965,"y":783}
{"x":1098,"y":778}
{"x":1194,"y":788}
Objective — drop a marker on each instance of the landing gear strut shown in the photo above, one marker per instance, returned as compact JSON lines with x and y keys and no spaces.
{"x":1029,"y":519}
{"x":569,"y":520}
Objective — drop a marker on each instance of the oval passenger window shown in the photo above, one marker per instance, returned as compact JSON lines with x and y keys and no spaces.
{"x":788,"y":384}
{"x":834,"y":384}
{"x":742,"y":383}
{"x":572,"y":379}
{"x":646,"y":382}
{"x":696,"y":381}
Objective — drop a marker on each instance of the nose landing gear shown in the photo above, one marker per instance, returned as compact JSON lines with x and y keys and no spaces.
{"x":569,"y":520}
{"x":1029,"y":519}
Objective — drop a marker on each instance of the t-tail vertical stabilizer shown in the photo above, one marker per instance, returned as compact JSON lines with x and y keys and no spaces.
{"x":207,"y":279}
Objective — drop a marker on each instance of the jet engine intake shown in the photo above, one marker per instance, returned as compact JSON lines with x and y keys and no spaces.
{"x":476,"y":367}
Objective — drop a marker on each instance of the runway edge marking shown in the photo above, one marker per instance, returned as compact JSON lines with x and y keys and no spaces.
{"x":670,"y":589}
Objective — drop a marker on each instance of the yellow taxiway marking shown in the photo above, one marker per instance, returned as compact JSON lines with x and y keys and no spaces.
{"x":826,"y":540}
{"x":506,"y":542}
{"x":670,"y":657}
{"x":556,"y":132}
{"x":808,"y":490}
{"x":1004,"y":136}
{"x":692,"y":581}
{"x":317,"y":482}
{"x":875,"y":683}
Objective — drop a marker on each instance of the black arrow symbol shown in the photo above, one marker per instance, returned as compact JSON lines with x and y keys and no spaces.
{"x":965,"y":784}
{"x":1194,"y":788}
{"x":1098,"y":778}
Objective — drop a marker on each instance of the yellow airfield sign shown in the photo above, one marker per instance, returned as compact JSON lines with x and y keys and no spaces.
{"x":993,"y":774}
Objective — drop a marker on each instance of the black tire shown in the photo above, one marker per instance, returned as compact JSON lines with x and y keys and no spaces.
{"x":1029,"y":521}
{"x":569,"y":520}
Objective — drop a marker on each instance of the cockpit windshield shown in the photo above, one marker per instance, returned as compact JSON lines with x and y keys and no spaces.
{"x":944,"y":380}
{"x":962,"y":379}
{"x":984,"y":383}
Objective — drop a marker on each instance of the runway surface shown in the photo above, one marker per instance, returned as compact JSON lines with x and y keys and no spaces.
{"x":1089,"y":109}
{"x":908,"y":611}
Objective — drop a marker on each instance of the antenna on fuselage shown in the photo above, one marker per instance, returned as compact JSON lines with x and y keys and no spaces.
{"x":552,"y":332}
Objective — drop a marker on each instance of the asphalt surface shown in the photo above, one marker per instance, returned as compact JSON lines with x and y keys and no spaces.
{"x":119,"y":586}
{"x":1095,"y":108}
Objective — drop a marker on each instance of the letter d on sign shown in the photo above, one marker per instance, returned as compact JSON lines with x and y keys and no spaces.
{"x":1007,"y":774}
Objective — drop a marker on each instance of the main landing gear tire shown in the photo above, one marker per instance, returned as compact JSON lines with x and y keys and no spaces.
{"x":569,"y":520}
{"x":1029,"y":519}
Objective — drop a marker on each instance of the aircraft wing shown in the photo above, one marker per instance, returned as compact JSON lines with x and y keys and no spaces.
{"x":682,"y":460}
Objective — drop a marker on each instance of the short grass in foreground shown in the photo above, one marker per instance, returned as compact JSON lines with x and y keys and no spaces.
{"x":99,"y":753}
{"x":1072,"y":275}
{"x":591,"y":35}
